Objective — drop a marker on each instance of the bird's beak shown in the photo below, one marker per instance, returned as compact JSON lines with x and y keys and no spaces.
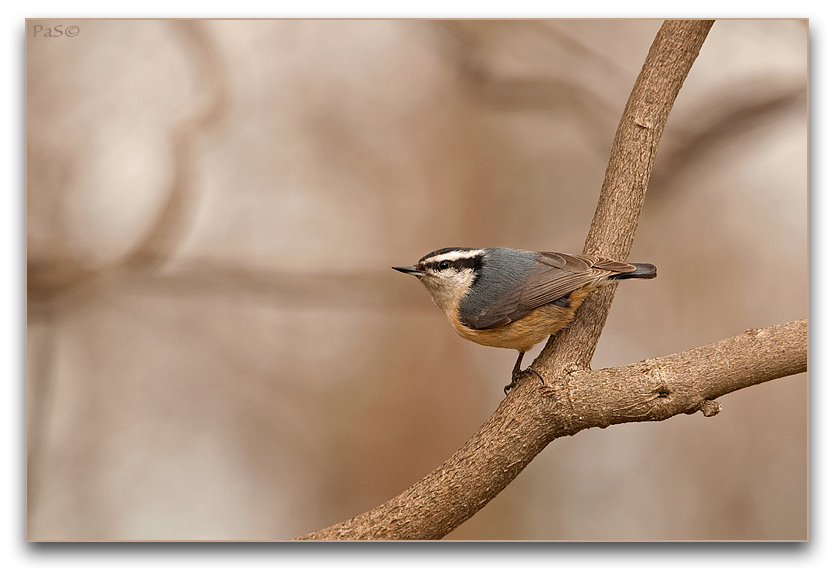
{"x":408,"y":270}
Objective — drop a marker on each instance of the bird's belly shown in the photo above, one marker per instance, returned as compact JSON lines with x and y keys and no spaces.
{"x":524,"y":333}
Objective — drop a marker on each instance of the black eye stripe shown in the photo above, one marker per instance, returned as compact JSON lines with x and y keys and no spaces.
{"x":458,"y":264}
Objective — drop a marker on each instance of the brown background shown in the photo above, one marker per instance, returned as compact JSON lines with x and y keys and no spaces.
{"x":218,"y":349}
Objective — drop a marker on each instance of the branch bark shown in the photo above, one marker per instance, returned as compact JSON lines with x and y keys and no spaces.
{"x":614,"y":224}
{"x":570,"y":396}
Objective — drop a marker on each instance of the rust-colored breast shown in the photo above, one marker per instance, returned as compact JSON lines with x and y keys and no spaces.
{"x":526,"y":332}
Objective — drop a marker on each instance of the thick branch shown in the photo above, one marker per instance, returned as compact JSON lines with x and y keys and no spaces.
{"x":651,"y":390}
{"x":686,"y":382}
{"x":667,"y":65}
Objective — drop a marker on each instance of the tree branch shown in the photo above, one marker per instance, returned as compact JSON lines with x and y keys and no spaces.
{"x":571,"y":397}
{"x":670,"y":58}
{"x":686,"y":382}
{"x":530,"y":418}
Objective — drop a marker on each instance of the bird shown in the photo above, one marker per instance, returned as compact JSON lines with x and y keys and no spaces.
{"x":508,"y":298}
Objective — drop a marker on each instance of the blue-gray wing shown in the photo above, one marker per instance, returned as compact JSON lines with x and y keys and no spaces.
{"x":553,"y":275}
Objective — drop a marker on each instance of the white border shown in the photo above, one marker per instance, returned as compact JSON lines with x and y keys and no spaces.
{"x":410,"y":561}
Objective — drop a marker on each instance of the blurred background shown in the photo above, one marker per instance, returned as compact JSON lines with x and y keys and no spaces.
{"x":217,"y":348}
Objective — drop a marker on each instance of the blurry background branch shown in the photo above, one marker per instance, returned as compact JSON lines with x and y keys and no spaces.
{"x":57,"y":272}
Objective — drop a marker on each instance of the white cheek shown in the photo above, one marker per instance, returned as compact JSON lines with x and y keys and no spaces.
{"x":442,"y":291}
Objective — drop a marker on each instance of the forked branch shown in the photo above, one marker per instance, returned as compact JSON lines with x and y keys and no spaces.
{"x":536,"y":414}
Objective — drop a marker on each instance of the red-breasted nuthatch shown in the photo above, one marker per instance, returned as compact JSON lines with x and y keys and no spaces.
{"x":514,"y":298}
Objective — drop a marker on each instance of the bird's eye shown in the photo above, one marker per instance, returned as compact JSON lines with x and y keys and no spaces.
{"x":442,"y":265}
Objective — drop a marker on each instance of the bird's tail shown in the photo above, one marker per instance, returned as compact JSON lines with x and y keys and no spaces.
{"x":640,"y":271}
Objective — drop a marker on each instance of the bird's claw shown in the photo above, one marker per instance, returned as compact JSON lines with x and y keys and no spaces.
{"x":517,"y":377}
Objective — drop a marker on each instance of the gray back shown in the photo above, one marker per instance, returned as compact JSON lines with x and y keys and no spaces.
{"x":505,"y":269}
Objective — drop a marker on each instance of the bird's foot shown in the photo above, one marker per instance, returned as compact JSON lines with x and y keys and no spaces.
{"x":517,"y":374}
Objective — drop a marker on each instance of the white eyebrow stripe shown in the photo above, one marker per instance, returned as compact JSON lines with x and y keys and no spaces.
{"x":453,"y":255}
